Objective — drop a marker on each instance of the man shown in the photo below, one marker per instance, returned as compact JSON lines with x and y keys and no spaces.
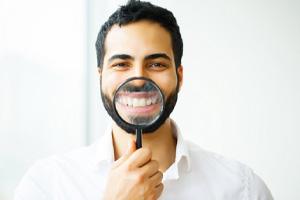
{"x":141,"y":40}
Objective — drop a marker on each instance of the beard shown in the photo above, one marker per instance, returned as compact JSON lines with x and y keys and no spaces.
{"x":168,"y":108}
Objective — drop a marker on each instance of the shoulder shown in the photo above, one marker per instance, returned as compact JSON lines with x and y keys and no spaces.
{"x":42,"y":176}
{"x":37,"y":180}
{"x":200,"y":156}
{"x":74,"y":158}
{"x":228,"y":171}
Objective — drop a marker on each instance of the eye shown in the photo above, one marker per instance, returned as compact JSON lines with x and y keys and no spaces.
{"x":157,"y":66}
{"x":120,"y":66}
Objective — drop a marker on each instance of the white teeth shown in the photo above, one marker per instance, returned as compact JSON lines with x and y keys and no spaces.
{"x":142,"y":102}
{"x":129,"y":101}
{"x":148,"y":102}
{"x":123,"y":101}
{"x":153,"y":100}
{"x":137,"y":102}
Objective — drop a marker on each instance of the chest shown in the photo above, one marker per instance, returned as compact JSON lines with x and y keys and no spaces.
{"x":90,"y":186}
{"x":199,"y":187}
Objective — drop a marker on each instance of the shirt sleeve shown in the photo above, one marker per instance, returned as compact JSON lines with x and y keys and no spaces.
{"x":35,"y":183}
{"x":257,"y":189}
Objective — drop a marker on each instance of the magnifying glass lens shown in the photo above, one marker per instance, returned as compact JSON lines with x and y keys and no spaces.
{"x":139,"y":102}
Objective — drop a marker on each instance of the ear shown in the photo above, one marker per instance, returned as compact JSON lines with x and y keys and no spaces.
{"x":180,"y":75}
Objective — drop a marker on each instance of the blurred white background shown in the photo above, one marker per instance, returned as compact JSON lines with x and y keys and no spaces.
{"x":240,"y":95}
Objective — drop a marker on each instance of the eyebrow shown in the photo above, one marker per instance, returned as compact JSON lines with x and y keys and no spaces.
{"x":120,"y":56}
{"x":157,"y":55}
{"x":148,"y":57}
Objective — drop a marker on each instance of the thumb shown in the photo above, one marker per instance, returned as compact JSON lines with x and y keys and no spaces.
{"x":131,"y":147}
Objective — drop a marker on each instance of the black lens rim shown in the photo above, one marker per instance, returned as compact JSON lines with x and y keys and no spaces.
{"x":141,"y":127}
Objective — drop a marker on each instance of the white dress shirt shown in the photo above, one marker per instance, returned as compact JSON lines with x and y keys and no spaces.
{"x":196,"y":174}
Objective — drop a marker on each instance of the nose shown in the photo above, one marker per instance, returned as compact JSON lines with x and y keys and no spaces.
{"x":139,"y":71}
{"x":138,"y":82}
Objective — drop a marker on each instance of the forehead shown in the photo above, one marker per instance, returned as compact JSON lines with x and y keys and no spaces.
{"x":138,"y":39}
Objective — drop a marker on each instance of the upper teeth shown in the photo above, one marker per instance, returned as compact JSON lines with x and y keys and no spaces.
{"x":137,"y":102}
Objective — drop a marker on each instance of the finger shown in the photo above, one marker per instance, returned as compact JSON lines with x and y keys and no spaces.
{"x":150,"y":168}
{"x":156,"y":179}
{"x":158,"y":190}
{"x":130,"y":149}
{"x":139,"y":158}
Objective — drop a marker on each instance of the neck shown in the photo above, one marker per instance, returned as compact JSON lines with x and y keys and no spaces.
{"x":161,"y":142}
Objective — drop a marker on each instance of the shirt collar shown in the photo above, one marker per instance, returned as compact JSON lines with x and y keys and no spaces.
{"x":102,"y":149}
{"x":182,"y":158}
{"x":103,"y":152}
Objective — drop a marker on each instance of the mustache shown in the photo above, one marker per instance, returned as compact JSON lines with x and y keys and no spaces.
{"x":147,"y":87}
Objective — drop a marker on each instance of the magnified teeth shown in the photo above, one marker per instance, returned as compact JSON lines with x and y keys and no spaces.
{"x":153,"y":100}
{"x":142,"y":102}
{"x":148,"y":102}
{"x":129,"y":101}
{"x":137,"y":102}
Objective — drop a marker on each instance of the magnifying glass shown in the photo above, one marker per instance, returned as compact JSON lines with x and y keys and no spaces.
{"x":139,"y":103}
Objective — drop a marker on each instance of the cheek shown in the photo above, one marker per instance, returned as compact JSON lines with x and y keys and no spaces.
{"x":110,"y":82}
{"x":167,"y":83}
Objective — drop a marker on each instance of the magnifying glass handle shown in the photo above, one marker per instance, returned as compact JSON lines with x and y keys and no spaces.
{"x":138,"y":133}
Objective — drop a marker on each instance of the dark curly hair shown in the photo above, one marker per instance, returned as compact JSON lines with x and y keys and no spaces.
{"x":135,"y":11}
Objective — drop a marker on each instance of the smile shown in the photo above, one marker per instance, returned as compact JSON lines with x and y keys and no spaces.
{"x":138,"y":99}
{"x":138,"y":103}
